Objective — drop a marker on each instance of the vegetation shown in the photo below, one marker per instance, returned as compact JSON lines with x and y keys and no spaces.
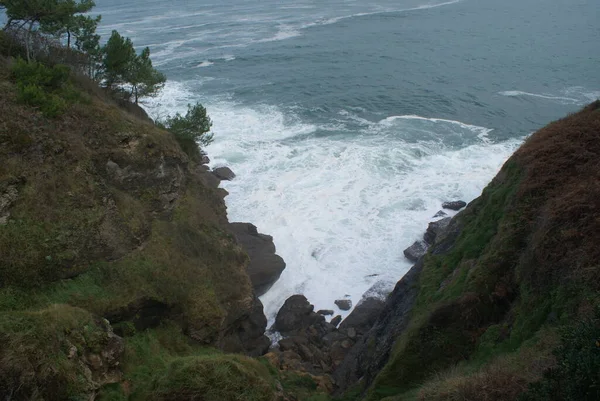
{"x":116,"y":64}
{"x":525,"y":261}
{"x":576,"y":376}
{"x":191,"y":129}
{"x":47,"y":88}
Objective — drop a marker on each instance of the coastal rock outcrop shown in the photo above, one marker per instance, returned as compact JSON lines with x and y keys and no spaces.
{"x":436,"y":229}
{"x":364,"y":315}
{"x":416,"y":250}
{"x":454,"y":205}
{"x":265,"y":265}
{"x":224,"y":173}
{"x":311,"y":344}
{"x":369,"y":355}
{"x":343,"y":304}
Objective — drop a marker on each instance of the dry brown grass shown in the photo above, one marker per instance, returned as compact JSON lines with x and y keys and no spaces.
{"x":562,"y":188}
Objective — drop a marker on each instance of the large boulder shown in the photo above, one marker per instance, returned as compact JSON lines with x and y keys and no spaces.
{"x":454,"y":205}
{"x":246,"y":333}
{"x":295,"y":315}
{"x":224,"y":173}
{"x":343,"y":304}
{"x":436,"y":229}
{"x":265,"y":266}
{"x":416,"y":251}
{"x":364,"y":315}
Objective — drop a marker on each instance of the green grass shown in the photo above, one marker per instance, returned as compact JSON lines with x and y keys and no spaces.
{"x":163,"y":364}
{"x":36,"y":347}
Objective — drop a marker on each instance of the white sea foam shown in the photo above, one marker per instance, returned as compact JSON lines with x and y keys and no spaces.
{"x":576,"y":95}
{"x":205,"y":64}
{"x":341,"y":208}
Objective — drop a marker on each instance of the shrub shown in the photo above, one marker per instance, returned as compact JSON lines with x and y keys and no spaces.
{"x":214,"y":378}
{"x":47,"y":88}
{"x":190,"y":130}
{"x":576,"y":376}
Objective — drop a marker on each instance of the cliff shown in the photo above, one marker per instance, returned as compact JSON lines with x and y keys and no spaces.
{"x":479,"y":316}
{"x":117,"y":262}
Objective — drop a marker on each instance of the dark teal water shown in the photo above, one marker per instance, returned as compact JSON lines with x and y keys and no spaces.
{"x":349,"y":122}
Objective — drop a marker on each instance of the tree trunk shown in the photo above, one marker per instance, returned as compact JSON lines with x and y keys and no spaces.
{"x":68,"y":39}
{"x":28,"y":41}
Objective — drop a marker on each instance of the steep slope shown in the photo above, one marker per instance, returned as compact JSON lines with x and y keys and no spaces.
{"x":475,"y":318}
{"x":103,"y":216}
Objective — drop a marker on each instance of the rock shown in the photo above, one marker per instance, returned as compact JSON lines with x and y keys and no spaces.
{"x":210,"y":180}
{"x":440,"y":213}
{"x":7,"y":199}
{"x":416,"y":251}
{"x":343,"y":304}
{"x":204,"y":159}
{"x":265,"y":266}
{"x":454,"y":205}
{"x":363,"y":316}
{"x":246,"y":333}
{"x":371,"y":351}
{"x":435,"y":229}
{"x":144,"y":313}
{"x":224,"y":173}
{"x":295,"y":315}
{"x":336,"y":320}
{"x":325,"y":312}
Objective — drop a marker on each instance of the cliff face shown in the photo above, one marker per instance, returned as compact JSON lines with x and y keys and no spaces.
{"x":103,"y":216}
{"x":475,"y":318}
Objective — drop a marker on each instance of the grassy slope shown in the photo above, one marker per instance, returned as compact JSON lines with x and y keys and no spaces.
{"x":526,"y":261}
{"x":81,"y":243}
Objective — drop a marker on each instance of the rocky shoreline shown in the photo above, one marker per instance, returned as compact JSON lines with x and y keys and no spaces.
{"x":334,"y":353}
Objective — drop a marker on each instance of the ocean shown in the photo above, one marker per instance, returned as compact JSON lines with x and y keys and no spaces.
{"x":348,"y":122}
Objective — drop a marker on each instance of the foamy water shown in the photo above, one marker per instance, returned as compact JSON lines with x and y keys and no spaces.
{"x":342,"y":208}
{"x":348,"y":123}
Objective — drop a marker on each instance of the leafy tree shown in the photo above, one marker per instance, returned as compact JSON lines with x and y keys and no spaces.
{"x":68,"y":19}
{"x":145,"y":80}
{"x":190,"y":130}
{"x":195,"y":125}
{"x":88,"y":42}
{"x":51,"y":15}
{"x":118,"y":57}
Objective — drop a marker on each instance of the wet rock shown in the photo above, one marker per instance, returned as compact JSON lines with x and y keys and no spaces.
{"x":325,"y":312}
{"x":363,"y":316}
{"x":436,"y":229}
{"x":371,"y":351}
{"x":454,"y":205}
{"x":440,"y":213}
{"x":224,"y":173}
{"x":416,"y":251}
{"x":295,"y":315}
{"x":245,"y":333}
{"x":265,"y":266}
{"x":343,"y":304}
{"x":336,"y":320}
{"x":204,"y":159}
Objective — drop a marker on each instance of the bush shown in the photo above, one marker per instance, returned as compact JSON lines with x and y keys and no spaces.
{"x":576,"y":376}
{"x":47,"y":88}
{"x":190,"y":130}
{"x":214,"y":378}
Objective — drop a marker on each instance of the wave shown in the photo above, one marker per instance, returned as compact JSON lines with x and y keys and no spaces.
{"x":205,"y":64}
{"x":482,"y":132}
{"x":335,"y":20}
{"x":576,"y":95}
{"x":340,"y":206}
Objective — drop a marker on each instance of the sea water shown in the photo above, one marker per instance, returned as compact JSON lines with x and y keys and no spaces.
{"x":348,"y":122}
